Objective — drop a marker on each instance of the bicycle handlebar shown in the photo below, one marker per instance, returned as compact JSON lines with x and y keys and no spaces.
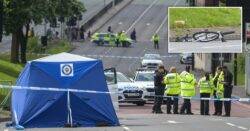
{"x":227,"y":33}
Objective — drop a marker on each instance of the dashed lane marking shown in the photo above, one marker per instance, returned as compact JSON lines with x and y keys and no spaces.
{"x":236,"y":126}
{"x":124,"y":57}
{"x":126,"y":128}
{"x":140,"y":17}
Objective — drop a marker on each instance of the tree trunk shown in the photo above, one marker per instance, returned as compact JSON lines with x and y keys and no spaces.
{"x":23,"y":41}
{"x":14,"y":48}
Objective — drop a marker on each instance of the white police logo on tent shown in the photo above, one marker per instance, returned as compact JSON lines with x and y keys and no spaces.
{"x":67,"y":70}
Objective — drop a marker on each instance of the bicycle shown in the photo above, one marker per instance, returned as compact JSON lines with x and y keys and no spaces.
{"x":204,"y":36}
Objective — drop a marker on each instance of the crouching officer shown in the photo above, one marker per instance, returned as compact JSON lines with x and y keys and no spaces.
{"x":188,"y":83}
{"x":159,"y":88}
{"x":206,"y":88}
{"x":172,"y":81}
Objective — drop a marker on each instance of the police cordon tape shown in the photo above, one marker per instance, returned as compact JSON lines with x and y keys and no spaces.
{"x":102,"y":92}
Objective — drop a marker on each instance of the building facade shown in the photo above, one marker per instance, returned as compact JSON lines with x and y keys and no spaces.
{"x":207,"y":2}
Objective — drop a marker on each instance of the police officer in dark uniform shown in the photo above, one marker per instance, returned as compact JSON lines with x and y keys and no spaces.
{"x":159,"y":88}
{"x":228,"y":79}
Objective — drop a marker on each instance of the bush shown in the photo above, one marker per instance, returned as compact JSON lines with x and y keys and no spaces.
{"x":33,"y":45}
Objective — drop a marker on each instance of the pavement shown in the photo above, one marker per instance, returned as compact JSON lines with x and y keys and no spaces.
{"x":231,"y":46}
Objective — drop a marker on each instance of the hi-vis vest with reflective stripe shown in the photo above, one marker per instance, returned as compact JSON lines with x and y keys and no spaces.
{"x":206,"y":86}
{"x":172,"y":81}
{"x":220,"y":86}
{"x":187,"y":84}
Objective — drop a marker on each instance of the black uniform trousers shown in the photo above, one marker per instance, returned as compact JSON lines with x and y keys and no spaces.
{"x":204,"y":106}
{"x":227,"y":104}
{"x":159,"y":92}
{"x":186,"y":107}
{"x":217,"y":105}
{"x":156,"y":44}
{"x":172,"y":101}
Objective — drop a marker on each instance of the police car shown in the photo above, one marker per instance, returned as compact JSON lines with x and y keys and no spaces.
{"x":151,"y":61}
{"x":186,"y":58}
{"x":101,"y":39}
{"x":128,"y":92}
{"x":145,"y":80}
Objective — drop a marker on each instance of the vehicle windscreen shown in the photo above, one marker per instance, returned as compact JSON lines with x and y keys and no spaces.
{"x":122,"y":78}
{"x":152,"y":57}
{"x":145,"y":77}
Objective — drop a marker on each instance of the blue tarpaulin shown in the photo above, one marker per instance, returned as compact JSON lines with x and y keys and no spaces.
{"x":40,"y":108}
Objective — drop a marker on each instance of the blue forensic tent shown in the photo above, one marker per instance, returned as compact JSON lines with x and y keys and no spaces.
{"x":43,"y":108}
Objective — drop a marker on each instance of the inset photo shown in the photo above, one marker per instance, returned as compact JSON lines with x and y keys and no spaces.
{"x":205,"y":30}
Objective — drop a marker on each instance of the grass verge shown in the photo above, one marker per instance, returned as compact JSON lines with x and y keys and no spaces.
{"x":206,"y":17}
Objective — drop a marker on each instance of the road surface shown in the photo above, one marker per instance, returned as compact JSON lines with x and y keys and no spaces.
{"x":147,"y":17}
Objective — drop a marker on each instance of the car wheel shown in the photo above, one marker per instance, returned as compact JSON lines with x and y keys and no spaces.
{"x":140,"y":103}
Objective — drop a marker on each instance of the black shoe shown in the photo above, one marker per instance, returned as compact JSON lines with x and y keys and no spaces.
{"x":176,"y":113}
{"x":182,"y":113}
{"x":219,"y":114}
{"x":226,"y":115}
{"x":158,"y":112}
{"x":190,"y":113}
{"x":153,"y":112}
{"x":207,"y":114}
{"x":215,"y":114}
{"x":169,"y":112}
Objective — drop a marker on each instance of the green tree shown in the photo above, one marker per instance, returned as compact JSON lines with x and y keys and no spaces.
{"x":19,"y":14}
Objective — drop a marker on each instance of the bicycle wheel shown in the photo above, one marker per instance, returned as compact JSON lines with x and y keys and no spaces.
{"x":205,"y":36}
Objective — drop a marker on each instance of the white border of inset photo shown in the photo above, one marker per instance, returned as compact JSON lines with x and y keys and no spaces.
{"x":194,"y":47}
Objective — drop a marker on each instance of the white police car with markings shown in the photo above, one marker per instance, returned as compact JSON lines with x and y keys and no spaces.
{"x":128,"y":92}
{"x":151,"y":61}
{"x":145,"y":80}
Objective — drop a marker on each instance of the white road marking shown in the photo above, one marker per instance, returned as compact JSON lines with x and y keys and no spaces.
{"x":148,"y":24}
{"x":120,"y":23}
{"x":126,"y":128}
{"x":124,"y":57}
{"x":239,"y":127}
{"x":172,"y":122}
{"x":139,"y":18}
{"x":5,"y":130}
{"x":230,"y":124}
{"x":165,"y":19}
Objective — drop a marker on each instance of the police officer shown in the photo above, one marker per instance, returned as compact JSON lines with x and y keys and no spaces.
{"x":220,"y":91}
{"x":109,"y":29}
{"x":123,"y":38}
{"x":159,"y":88}
{"x":188,"y":83}
{"x":172,"y":81}
{"x":133,"y":35}
{"x":228,"y":79}
{"x":206,"y":87}
{"x":217,"y":103}
{"x":156,"y":40}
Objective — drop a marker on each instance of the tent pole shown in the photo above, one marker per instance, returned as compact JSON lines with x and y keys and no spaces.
{"x":70,"y":112}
